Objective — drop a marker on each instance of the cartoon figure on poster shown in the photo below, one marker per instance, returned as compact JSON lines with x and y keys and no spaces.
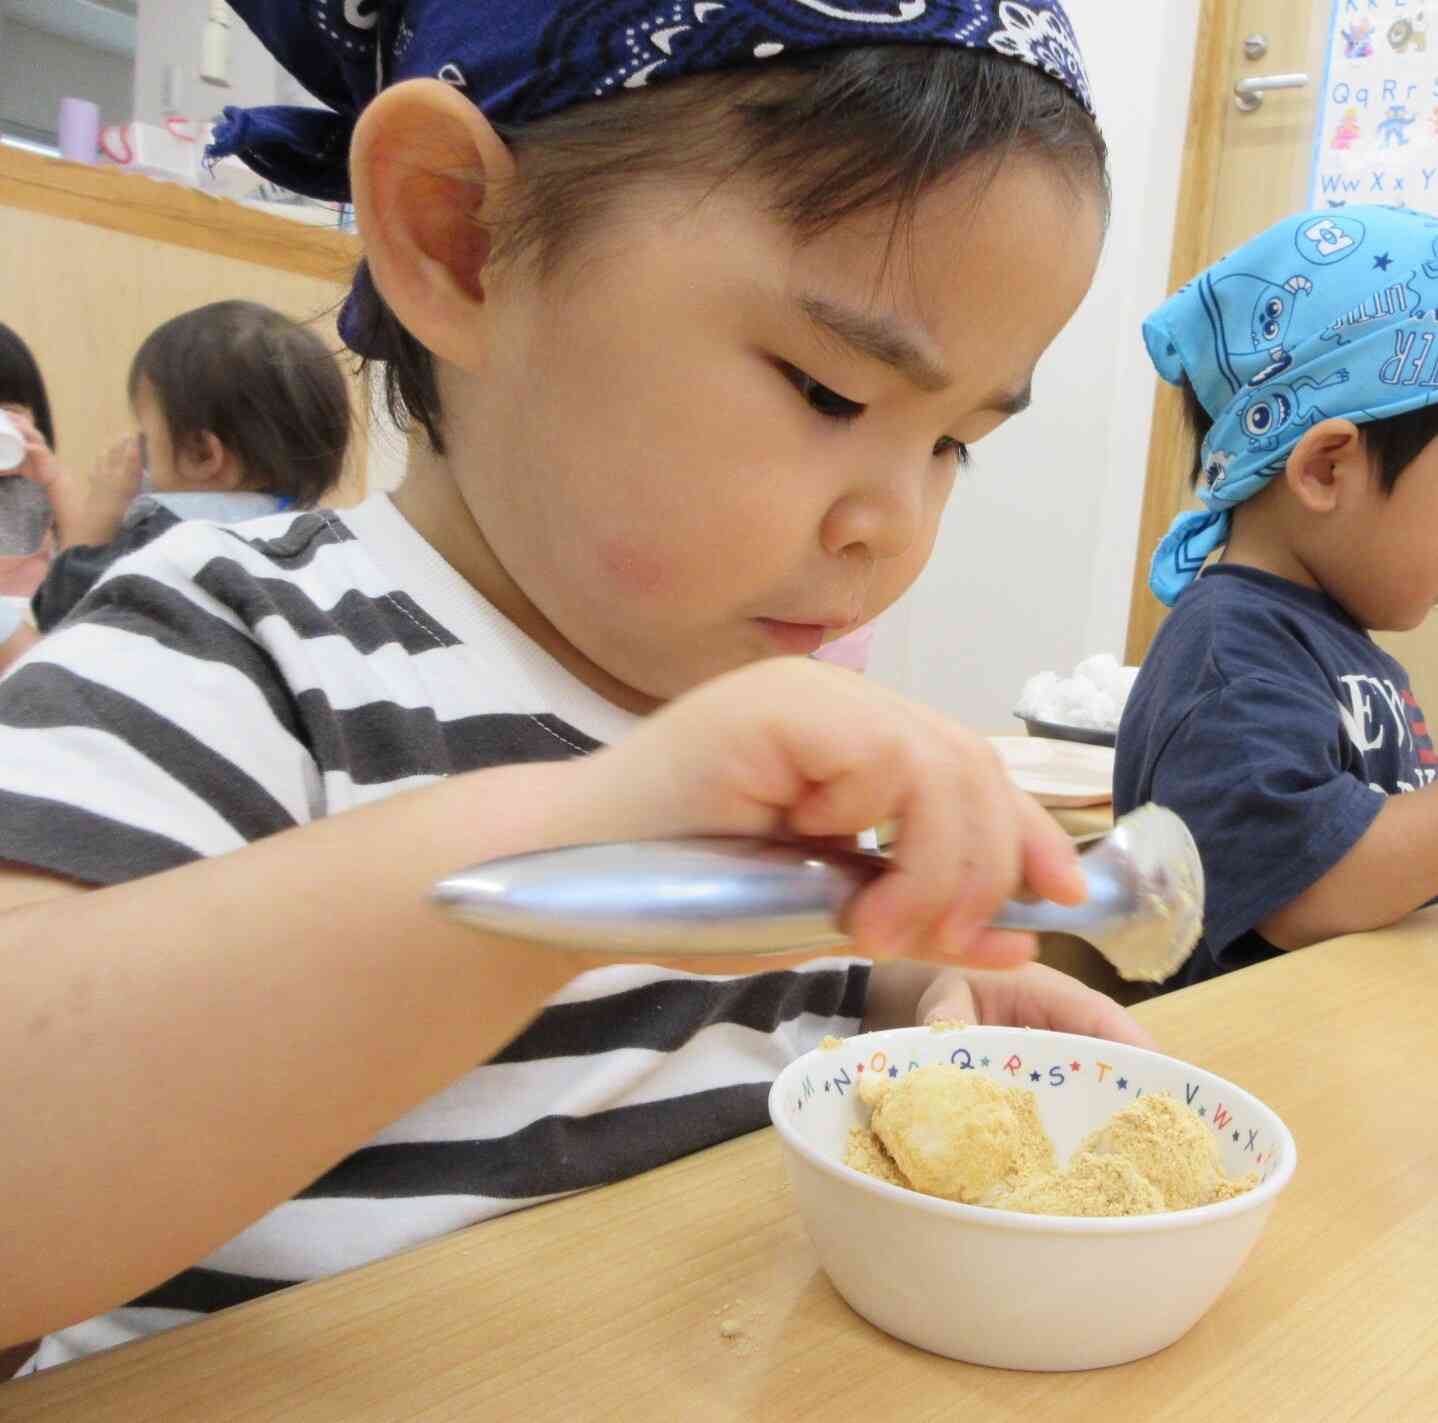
{"x":1393,"y":130}
{"x":1358,"y":39}
{"x":1349,"y":132}
{"x":1406,"y":34}
{"x":1376,"y":135}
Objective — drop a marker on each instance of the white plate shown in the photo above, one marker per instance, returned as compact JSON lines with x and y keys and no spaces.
{"x":1058,"y":773}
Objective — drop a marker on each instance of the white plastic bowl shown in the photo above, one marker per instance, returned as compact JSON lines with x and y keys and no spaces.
{"x":1023,"y":1291}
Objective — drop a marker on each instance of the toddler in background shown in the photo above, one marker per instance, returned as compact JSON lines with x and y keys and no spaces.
{"x":241,"y":411}
{"x":26,"y":520}
{"x":1264,"y":713}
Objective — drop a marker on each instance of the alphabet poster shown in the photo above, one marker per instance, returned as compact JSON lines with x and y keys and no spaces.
{"x":1377,"y":135}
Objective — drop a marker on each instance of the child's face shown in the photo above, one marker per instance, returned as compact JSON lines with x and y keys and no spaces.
{"x":1387,"y":578}
{"x":698,"y":444}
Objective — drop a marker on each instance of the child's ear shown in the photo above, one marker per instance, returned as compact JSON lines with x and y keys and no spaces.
{"x":426,"y":168}
{"x":205,"y":462}
{"x":1327,"y":463}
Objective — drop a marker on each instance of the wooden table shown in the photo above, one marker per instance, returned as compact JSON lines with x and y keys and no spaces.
{"x":610,"y":1304}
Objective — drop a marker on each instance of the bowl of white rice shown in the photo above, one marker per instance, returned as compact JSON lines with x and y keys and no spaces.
{"x":1085,"y":706}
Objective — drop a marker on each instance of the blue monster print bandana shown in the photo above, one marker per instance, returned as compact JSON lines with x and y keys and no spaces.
{"x":1328,"y":314}
{"x":519,"y":60}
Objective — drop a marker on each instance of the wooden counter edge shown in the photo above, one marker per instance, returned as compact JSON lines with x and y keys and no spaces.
{"x":172,"y":213}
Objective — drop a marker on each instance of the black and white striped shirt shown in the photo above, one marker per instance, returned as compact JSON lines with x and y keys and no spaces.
{"x":225,"y":683}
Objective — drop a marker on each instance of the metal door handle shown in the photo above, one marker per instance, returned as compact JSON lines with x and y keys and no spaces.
{"x":1248,"y":93}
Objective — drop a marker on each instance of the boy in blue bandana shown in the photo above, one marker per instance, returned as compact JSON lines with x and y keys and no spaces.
{"x":1264,"y":714}
{"x":695,"y":307}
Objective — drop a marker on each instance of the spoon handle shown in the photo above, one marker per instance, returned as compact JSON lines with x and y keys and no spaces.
{"x":694,"y":896}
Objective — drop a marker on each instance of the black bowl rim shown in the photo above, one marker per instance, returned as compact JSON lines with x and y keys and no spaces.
{"x":1057,"y":731}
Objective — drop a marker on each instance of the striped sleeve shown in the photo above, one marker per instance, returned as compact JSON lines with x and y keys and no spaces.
{"x":149,"y":731}
{"x":75,"y":570}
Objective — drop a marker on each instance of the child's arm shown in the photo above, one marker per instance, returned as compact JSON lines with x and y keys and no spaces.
{"x":17,"y":645}
{"x":1392,"y":870}
{"x":86,"y":511}
{"x":75,"y":570}
{"x":17,"y":637}
{"x":92,"y":514}
{"x":182,"y":1052}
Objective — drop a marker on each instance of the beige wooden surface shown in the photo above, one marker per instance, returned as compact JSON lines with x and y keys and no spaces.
{"x":171,"y":214}
{"x":91,"y":261}
{"x":609,"y":1305}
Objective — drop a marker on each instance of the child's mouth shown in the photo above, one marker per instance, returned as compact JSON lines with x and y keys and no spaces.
{"x":797,"y":639}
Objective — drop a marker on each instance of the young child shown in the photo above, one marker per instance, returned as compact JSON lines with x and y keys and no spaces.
{"x":242,"y":412}
{"x":1264,"y":713}
{"x":697,"y":325}
{"x":26,"y":521}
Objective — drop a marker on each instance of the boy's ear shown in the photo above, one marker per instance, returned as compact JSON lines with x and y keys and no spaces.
{"x":1326,"y":464}
{"x":426,"y":168}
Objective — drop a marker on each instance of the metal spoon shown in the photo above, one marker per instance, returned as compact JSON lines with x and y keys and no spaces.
{"x":699,"y":897}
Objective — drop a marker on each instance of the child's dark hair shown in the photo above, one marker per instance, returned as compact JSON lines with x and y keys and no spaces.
{"x":832,"y":133}
{"x":1392,"y":444}
{"x":21,"y":383}
{"x":266,"y":387}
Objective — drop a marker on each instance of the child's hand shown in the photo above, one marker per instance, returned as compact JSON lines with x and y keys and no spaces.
{"x":39,"y":465}
{"x":92,"y":513}
{"x":115,"y":482}
{"x":118,"y":472}
{"x":1034,"y":996}
{"x":795,"y":748}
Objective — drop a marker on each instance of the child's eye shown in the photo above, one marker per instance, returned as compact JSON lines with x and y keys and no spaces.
{"x":960,"y":449}
{"x":820,"y":397}
{"x":839,"y":407}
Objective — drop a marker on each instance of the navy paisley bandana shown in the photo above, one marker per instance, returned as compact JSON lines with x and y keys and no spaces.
{"x":519,"y":60}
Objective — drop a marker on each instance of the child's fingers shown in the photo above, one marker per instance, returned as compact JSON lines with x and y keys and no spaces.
{"x":39,"y":465}
{"x":29,"y":431}
{"x":1000,"y":949}
{"x":121,"y":459}
{"x":956,"y":857}
{"x":819,"y":753}
{"x":983,"y":848}
{"x":949,"y":999}
{"x":1050,"y":860}
{"x":1041,"y":997}
{"x":959,"y":851}
{"x":845,"y":799}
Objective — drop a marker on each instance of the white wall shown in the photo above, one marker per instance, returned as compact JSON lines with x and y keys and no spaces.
{"x":37,"y":70}
{"x":170,"y":33}
{"x":1034,"y":562}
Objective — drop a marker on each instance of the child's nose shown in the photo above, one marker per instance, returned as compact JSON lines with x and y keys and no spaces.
{"x":880,"y":514}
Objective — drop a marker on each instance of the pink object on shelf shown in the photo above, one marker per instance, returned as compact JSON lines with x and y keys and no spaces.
{"x":79,"y":130}
{"x":851,"y":650}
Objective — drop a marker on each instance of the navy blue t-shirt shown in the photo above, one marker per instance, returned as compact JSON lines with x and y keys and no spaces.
{"x":1274,"y":726}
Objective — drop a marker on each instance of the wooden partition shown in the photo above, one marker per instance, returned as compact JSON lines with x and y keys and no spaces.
{"x":92,"y":260}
